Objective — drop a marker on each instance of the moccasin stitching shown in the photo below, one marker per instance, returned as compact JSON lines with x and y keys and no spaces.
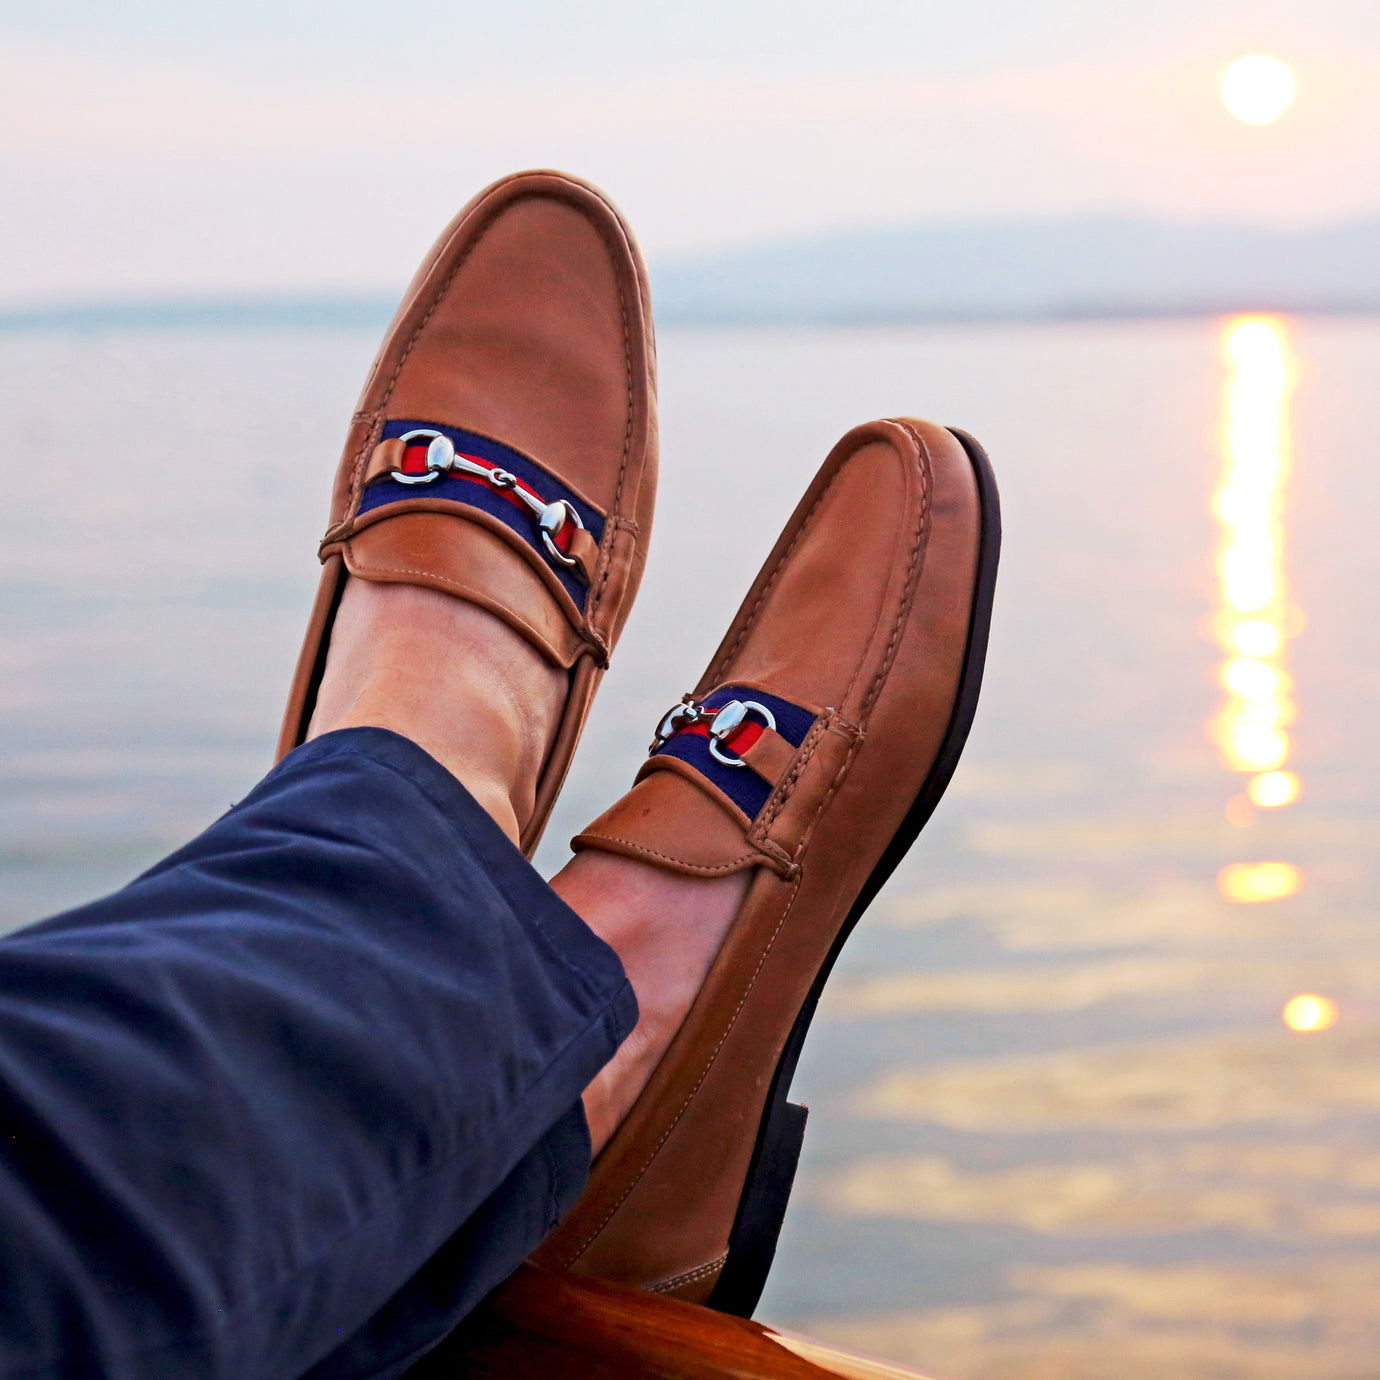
{"x":907,"y":591}
{"x":679,"y":1281}
{"x":855,"y":736}
{"x":913,"y":571}
{"x":786,"y":786}
{"x":596,"y":594}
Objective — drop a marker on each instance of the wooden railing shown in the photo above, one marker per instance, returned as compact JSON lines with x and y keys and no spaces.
{"x":549,"y":1324}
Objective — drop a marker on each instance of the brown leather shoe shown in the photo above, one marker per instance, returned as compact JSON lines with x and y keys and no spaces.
{"x":504,"y":449}
{"x":811,"y":752}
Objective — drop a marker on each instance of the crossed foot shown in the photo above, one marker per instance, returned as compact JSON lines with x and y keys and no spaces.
{"x":481,"y":700}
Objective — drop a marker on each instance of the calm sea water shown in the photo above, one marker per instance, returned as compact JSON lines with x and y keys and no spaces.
{"x":1059,"y":1127}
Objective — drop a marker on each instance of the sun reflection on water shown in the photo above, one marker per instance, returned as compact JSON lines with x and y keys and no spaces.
{"x":1254,"y":620}
{"x":1271,"y":789}
{"x":1308,"y":1011}
{"x":1262,"y":881}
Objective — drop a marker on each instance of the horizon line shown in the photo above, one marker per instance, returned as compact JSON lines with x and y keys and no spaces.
{"x":371,"y":312}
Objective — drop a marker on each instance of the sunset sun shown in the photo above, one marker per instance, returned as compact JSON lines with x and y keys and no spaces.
{"x":1258,"y":89}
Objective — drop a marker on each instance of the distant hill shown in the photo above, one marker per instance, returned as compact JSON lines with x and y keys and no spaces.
{"x":995,"y":270}
{"x":978,"y":271}
{"x":220,"y":313}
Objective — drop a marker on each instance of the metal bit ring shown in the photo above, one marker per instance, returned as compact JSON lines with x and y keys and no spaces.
{"x":440,"y":456}
{"x":735,"y":712}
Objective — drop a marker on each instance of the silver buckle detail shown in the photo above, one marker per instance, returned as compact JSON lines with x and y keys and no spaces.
{"x":730,"y":718}
{"x":442,"y":459}
{"x":550,"y":519}
{"x":722,"y":722}
{"x":679,"y":716}
{"x":440,"y":456}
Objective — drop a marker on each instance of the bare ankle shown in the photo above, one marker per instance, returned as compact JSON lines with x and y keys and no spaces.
{"x":666,"y":928}
{"x":454,"y":679}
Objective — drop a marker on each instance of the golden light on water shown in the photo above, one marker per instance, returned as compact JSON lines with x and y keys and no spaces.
{"x":1261,"y":881}
{"x":1271,"y":789}
{"x":1248,"y":502}
{"x":1253,"y":637}
{"x":1308,"y":1011}
{"x":1254,"y":620}
{"x":1258,"y":89}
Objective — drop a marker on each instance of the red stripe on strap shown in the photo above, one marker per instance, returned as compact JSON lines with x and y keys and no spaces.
{"x":510,"y":495}
{"x":414,"y":460}
{"x":742,"y":737}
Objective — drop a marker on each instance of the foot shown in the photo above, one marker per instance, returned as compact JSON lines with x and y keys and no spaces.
{"x":666,"y":928}
{"x":807,"y":758}
{"x":456,"y":680}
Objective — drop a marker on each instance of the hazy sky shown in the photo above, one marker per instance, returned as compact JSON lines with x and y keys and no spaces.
{"x":167,"y":146}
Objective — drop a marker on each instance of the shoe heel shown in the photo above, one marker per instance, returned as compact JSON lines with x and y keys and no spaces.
{"x":761,"y":1210}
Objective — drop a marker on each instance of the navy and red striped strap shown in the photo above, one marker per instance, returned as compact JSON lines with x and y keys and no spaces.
{"x":690,"y":743}
{"x":474,"y":491}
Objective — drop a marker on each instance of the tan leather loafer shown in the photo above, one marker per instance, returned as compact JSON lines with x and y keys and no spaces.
{"x":812,"y":751}
{"x":504,"y":449}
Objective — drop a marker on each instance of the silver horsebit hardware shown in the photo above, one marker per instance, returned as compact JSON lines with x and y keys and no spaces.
{"x":721,"y":722}
{"x":442,"y":459}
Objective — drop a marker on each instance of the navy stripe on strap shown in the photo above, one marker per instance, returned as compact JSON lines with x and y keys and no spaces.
{"x":748,"y":791}
{"x":475,"y":493}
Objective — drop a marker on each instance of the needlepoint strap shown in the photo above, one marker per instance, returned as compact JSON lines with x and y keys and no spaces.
{"x":445,"y":464}
{"x":740,"y":739}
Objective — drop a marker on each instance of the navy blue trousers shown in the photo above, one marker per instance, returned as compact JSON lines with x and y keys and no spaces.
{"x":291,"y":1102}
